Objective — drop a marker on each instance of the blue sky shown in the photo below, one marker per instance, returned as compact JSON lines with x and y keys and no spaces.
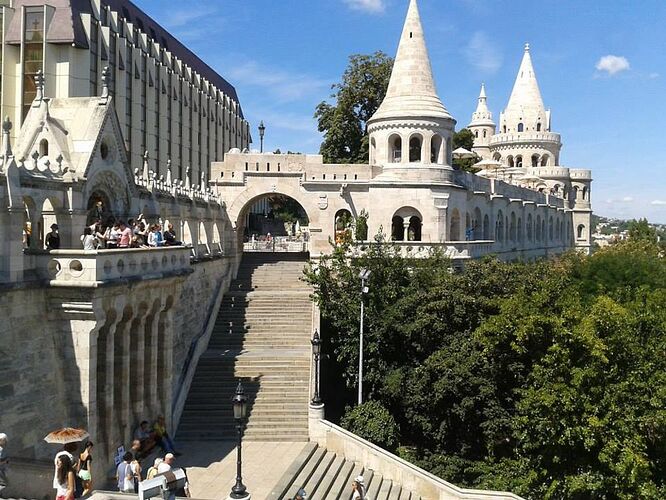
{"x":282,"y":56}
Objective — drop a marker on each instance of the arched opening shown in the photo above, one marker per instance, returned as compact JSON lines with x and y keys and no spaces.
{"x":415,"y":145}
{"x":509,"y":161}
{"x":30,"y":213}
{"x":585,"y":193}
{"x":343,"y":226}
{"x":520,"y":127}
{"x":485,"y":133}
{"x":580,"y":232}
{"x":476,"y":134}
{"x":414,"y":230}
{"x":519,"y":230}
{"x":529,"y":228}
{"x":535,"y":160}
{"x":186,"y":231}
{"x":477,"y":222}
{"x":543,"y":230}
{"x":99,"y":208}
{"x":497,"y":157}
{"x":397,"y":229}
{"x":538,"y":127}
{"x":454,"y":225}
{"x":544,"y":160}
{"x":203,"y":247}
{"x":512,"y":227}
{"x":48,"y":228}
{"x":519,"y":161}
{"x":575,"y":193}
{"x":499,"y":227}
{"x":395,"y":149}
{"x":273,"y":221}
{"x":436,"y":149}
{"x":218,"y":244}
{"x":486,"y":227}
{"x":43,"y":148}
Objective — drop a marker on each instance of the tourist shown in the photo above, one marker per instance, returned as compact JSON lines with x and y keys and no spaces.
{"x":65,"y":478}
{"x":358,"y":488}
{"x":170,"y":237}
{"x":301,"y":495}
{"x":125,"y":235}
{"x":155,"y":238}
{"x":68,"y":450}
{"x":85,"y":468}
{"x":87,"y":239}
{"x":136,"y":473}
{"x":124,"y":475}
{"x":166,"y":464}
{"x":53,"y":238}
{"x":3,"y":461}
{"x":27,"y":233}
{"x":152,"y":472}
{"x":162,"y":437}
{"x":112,"y":236}
{"x":146,"y":437}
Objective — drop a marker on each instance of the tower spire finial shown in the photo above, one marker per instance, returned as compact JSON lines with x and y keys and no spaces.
{"x":411,"y":90}
{"x":527,"y":47}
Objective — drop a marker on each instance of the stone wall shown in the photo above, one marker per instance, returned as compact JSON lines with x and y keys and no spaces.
{"x":65,"y":351}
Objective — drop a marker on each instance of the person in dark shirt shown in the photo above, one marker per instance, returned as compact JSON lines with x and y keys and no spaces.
{"x":53,"y":238}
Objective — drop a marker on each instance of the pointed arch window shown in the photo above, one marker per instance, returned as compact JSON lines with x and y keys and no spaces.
{"x":521,"y":127}
{"x":539,"y":127}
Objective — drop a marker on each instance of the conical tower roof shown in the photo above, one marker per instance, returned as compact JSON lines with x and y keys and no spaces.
{"x":482,"y":115}
{"x":411,"y":91}
{"x":525,"y":104}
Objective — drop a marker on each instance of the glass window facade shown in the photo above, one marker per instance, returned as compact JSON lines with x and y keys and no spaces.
{"x":33,"y":53}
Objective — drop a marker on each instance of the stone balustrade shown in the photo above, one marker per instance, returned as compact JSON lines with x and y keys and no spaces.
{"x":525,"y":137}
{"x":454,"y":250}
{"x":90,"y":268}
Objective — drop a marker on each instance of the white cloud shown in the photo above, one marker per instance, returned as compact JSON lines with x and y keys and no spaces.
{"x":372,"y":6}
{"x":483,"y":54}
{"x":659,"y":203}
{"x":613,"y":64}
{"x":285,"y":86}
{"x":652,"y":76}
{"x":626,"y":199}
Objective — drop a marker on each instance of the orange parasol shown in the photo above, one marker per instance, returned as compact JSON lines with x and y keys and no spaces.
{"x":66,"y":435}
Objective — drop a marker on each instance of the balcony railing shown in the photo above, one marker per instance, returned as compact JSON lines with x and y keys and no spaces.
{"x":96,"y":267}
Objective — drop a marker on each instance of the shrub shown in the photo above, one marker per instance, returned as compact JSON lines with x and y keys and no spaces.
{"x":373,"y":422}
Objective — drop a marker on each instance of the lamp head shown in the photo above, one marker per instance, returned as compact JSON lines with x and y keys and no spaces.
{"x":316,"y":343}
{"x":239,"y":403}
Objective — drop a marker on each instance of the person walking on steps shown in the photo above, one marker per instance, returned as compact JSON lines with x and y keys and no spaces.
{"x":358,"y":488}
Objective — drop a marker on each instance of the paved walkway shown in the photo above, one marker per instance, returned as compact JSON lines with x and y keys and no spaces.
{"x":211,"y":466}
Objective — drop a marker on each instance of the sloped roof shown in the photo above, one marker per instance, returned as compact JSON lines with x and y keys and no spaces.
{"x":411,"y":91}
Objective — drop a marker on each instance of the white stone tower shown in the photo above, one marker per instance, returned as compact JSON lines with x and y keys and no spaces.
{"x":525,"y":138}
{"x":482,"y":126}
{"x":412,"y":130}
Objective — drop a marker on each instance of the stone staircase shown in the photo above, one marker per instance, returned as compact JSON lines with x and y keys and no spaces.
{"x":327,"y":476}
{"x":261,"y":337}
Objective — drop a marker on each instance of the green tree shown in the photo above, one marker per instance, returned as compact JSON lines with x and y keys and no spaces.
{"x":357,"y":97}
{"x":464,"y":138}
{"x":641,"y":230}
{"x":373,"y":422}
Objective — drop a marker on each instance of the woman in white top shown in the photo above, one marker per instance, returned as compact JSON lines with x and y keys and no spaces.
{"x":87,"y":239}
{"x":65,"y":478}
{"x":358,"y":488}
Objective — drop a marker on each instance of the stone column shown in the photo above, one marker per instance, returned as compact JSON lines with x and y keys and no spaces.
{"x":137,"y":334}
{"x":151,"y":364}
{"x":122,"y":414}
{"x":405,"y":225}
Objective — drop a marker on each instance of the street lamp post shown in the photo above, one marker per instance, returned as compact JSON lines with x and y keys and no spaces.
{"x":239,"y":403}
{"x":262,"y":131}
{"x":316,"y":354}
{"x":364,"y":275}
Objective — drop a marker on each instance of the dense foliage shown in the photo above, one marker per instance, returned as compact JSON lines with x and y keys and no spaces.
{"x":371,"y":421}
{"x":547,"y":379}
{"x":357,"y":97}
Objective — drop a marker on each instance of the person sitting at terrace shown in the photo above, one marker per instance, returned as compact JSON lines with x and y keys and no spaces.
{"x":145,"y":437}
{"x":170,"y":237}
{"x":162,"y":437}
{"x":155,"y":238}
